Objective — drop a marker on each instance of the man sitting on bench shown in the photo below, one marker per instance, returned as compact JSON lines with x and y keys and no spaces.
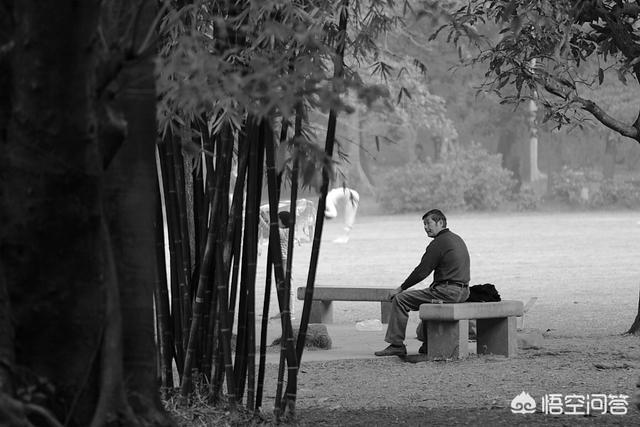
{"x":448,"y":258}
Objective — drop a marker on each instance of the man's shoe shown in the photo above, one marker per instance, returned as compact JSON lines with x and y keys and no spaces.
{"x":423,"y":348}
{"x":392,"y":350}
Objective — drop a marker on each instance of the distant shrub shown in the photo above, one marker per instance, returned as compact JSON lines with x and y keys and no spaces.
{"x":617,"y":194}
{"x":527,"y":199}
{"x":573,"y":186}
{"x":466,"y":178}
{"x":589,"y":189}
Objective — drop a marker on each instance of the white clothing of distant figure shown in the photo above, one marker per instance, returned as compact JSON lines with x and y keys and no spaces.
{"x":347,"y":198}
{"x":305,"y":221}
{"x":284,"y":221}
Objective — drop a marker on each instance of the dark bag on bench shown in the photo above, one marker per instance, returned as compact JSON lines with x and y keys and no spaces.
{"x":483,"y":293}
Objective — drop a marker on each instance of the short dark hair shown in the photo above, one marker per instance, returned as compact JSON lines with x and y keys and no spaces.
{"x":436,"y":215}
{"x":285,"y":218}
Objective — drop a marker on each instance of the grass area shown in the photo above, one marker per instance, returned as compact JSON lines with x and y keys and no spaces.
{"x":582,"y":266}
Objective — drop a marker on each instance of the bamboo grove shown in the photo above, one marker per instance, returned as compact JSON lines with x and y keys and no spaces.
{"x":238,"y":81}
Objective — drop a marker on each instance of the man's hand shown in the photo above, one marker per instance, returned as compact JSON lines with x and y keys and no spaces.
{"x":394,"y":292}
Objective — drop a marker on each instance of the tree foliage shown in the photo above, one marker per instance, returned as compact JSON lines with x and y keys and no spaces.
{"x":553,"y":51}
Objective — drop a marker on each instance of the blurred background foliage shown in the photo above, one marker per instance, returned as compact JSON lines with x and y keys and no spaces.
{"x":435,"y":106}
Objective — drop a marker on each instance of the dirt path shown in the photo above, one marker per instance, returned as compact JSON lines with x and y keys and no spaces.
{"x":474,"y":391}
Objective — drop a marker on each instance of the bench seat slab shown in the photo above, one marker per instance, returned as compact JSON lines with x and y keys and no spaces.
{"x":322,"y":307}
{"x":326,"y":293}
{"x":471,"y":310}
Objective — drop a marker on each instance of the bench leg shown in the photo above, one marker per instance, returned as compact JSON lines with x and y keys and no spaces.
{"x":385,"y":311}
{"x":321,"y":312}
{"x":447,"y":340}
{"x":497,"y":336}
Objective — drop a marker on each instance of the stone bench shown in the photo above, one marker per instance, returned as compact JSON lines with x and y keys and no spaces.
{"x":446,"y":327}
{"x":323,"y":297}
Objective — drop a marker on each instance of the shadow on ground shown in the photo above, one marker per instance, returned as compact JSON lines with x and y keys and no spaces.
{"x":394,"y":416}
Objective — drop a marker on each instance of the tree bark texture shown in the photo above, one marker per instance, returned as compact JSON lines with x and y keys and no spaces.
{"x":7,"y":356}
{"x":130,"y":202}
{"x":61,"y":262}
{"x":51,"y":233}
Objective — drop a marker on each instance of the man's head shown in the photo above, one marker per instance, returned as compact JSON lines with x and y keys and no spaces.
{"x":434,"y":222}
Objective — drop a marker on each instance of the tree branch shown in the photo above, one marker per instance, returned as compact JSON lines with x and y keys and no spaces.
{"x":622,"y":128}
{"x":568,"y":93}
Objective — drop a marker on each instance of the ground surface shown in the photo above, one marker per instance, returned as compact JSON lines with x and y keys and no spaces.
{"x":474,"y":391}
{"x":582,"y":267}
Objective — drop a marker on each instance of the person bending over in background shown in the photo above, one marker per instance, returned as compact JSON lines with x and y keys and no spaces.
{"x":284,"y":219}
{"x":349,"y":199}
{"x":448,"y":258}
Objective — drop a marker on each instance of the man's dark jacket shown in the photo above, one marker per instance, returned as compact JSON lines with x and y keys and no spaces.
{"x":447,"y":256}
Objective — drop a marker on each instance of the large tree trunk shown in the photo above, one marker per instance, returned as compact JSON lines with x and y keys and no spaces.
{"x":57,"y":264}
{"x":52,"y":240}
{"x":131,"y":197}
{"x":7,"y":357}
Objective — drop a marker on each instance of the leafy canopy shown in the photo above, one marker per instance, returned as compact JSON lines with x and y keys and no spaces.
{"x":555,"y":51}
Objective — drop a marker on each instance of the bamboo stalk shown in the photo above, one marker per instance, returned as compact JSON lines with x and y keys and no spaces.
{"x":240,"y":355}
{"x":200,"y":215}
{"x":284,"y":340}
{"x":221,"y":282}
{"x":223,"y":168}
{"x":225,"y":329}
{"x":233,"y":240}
{"x":210,"y":353}
{"x":253,"y":246}
{"x":274,"y":249}
{"x":182,"y":231}
{"x":245,"y":322}
{"x":161,"y":297}
{"x":277,"y":410}
{"x":209,"y":336}
{"x":292,"y":383}
{"x":168,"y":183}
{"x":317,"y":235}
{"x":210,"y":249}
{"x":289,"y":404}
{"x":263,"y":334}
{"x":200,"y":207}
{"x":233,"y":227}
{"x":186,"y":383}
{"x":265,"y":310}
